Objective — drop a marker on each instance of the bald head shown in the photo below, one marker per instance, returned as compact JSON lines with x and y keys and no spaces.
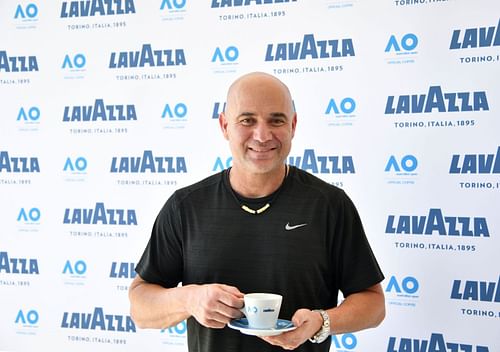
{"x":260,"y":86}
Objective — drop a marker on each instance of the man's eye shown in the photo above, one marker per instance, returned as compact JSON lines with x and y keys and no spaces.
{"x":246,"y":122}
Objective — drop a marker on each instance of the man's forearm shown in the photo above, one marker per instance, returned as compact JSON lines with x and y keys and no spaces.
{"x":153,"y":306}
{"x":358,"y":311}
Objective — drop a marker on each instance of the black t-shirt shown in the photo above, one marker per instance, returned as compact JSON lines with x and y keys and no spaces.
{"x":202,"y":236}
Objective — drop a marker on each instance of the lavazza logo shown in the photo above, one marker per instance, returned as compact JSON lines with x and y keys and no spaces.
{"x":110,"y":222}
{"x":478,"y":298}
{"x":98,"y":319}
{"x":17,"y":170}
{"x":218,"y":108}
{"x":419,"y":107}
{"x":478,"y":171}
{"x":250,"y":10}
{"x":147,"y":62}
{"x":325,"y":165}
{"x":99,"y":117}
{"x":96,"y":14}
{"x":309,"y":55}
{"x":121,"y":274}
{"x":477,"y":45}
{"x":17,"y":69}
{"x":148,"y":169}
{"x":437,"y":230}
{"x":17,"y":271}
{"x":437,"y":342}
{"x":412,"y":3}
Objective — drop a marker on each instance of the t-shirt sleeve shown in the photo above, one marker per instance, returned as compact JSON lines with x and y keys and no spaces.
{"x":162,"y":261}
{"x":357,"y":267}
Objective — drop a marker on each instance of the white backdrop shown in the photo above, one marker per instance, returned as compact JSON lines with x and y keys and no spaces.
{"x":108,"y":106}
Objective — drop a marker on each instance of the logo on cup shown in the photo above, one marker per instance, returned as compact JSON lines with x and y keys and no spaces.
{"x":253,"y":310}
{"x":262,"y":309}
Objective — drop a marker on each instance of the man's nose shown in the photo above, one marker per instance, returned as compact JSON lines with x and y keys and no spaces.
{"x":262,"y":133}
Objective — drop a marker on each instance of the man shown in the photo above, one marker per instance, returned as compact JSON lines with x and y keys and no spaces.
{"x":260,"y":226}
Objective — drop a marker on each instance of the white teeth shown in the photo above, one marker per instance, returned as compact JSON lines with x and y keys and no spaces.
{"x":261,"y":150}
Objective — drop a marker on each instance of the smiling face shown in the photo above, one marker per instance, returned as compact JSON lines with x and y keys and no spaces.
{"x":259,"y":123}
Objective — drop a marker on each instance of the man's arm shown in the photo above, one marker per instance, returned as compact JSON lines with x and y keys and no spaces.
{"x":358,"y":311}
{"x":153,"y":306}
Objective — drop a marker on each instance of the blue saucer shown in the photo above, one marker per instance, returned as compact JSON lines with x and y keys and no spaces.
{"x":281,"y":326}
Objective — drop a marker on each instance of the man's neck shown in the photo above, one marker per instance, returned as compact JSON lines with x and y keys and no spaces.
{"x":256,"y":185}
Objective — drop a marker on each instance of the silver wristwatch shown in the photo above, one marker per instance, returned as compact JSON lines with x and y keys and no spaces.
{"x":324,"y":332}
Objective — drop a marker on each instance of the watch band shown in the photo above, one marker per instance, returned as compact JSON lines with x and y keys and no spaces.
{"x":324,"y":332}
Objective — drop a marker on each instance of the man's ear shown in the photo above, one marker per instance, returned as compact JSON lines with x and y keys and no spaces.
{"x":294,"y":124}
{"x":223,"y":124}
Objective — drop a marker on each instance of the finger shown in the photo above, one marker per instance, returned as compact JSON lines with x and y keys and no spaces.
{"x":217,"y":316}
{"x":226,"y":311}
{"x":233,"y":290}
{"x":231,"y":297}
{"x":215,"y":324}
{"x":284,"y":341}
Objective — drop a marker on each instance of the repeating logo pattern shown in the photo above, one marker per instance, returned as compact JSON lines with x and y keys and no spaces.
{"x":109,"y":106}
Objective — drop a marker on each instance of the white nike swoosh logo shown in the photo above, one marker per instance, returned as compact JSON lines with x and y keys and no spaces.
{"x":289,"y":227}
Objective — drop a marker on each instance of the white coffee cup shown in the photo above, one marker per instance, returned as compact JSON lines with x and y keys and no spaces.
{"x":262,"y":309}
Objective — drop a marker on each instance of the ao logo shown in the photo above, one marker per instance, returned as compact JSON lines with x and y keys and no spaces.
{"x":179,"y":111}
{"x":80,"y":164}
{"x":409,"y":285}
{"x":79,"y":268}
{"x":179,"y":329}
{"x":32,"y":215}
{"x":408,"y":42}
{"x":220,"y":165}
{"x":230,"y":54}
{"x":347,"y":106}
{"x":31,"y":317}
{"x":173,"y":4}
{"x":344,"y":342}
{"x":408,"y":163}
{"x":77,"y":61}
{"x":33,"y":114}
{"x":29,"y":11}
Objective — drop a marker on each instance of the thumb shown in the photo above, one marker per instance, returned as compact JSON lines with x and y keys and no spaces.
{"x":300,"y":317}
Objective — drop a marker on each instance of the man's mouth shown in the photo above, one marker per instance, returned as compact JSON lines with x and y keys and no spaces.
{"x":261,"y":150}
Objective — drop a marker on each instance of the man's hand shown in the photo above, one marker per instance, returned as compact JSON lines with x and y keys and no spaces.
{"x":214,"y":305}
{"x":307,"y":323}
